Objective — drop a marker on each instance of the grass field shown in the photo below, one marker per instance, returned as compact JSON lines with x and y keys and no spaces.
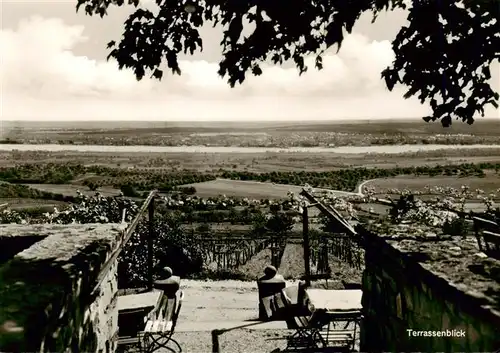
{"x":214,"y":188}
{"x":243,"y":188}
{"x":25,"y":203}
{"x":71,"y":190}
{"x":489,"y":184}
{"x":249,"y":189}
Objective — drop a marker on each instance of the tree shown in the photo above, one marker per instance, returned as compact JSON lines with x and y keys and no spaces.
{"x":129,"y":191}
{"x":443,"y":56}
{"x":187,"y":190}
{"x":279,"y":224}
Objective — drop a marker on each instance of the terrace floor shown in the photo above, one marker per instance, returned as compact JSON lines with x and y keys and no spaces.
{"x":211,"y":304}
{"x":208,"y":304}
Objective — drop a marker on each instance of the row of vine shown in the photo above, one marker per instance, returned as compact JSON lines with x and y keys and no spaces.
{"x":172,"y":242}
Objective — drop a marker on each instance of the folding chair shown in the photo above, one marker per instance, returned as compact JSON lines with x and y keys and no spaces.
{"x":129,"y":344}
{"x":131,"y":323}
{"x":306,"y":337}
{"x":340,"y":339}
{"x":267,"y":290}
{"x":158,"y":332}
{"x":277,"y":306}
{"x":488,"y":236}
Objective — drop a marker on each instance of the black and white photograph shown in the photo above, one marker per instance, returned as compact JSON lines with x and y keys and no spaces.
{"x":208,"y":176}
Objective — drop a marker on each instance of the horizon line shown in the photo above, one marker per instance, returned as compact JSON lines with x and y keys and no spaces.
{"x":238,"y":120}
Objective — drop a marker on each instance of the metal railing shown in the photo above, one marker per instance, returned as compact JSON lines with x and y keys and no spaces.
{"x":149,"y":204}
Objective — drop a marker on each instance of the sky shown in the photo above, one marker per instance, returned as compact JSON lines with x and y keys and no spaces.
{"x":53,"y":67}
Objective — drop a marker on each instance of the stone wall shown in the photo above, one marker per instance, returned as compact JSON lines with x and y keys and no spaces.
{"x":47,"y":297}
{"x":436,"y":287}
{"x":17,"y":239}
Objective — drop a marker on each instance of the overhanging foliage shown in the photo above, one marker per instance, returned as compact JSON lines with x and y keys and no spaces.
{"x":443,"y":55}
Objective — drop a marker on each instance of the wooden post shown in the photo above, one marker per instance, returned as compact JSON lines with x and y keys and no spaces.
{"x":305,"y":235}
{"x":151,"y":216}
{"x":215,"y":341}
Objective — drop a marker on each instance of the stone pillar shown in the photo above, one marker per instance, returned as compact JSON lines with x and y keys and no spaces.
{"x":269,"y":284}
{"x":170,"y":284}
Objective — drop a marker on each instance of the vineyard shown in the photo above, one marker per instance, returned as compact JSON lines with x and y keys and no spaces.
{"x":223,"y":253}
{"x":340,"y":246}
{"x":188,"y":238}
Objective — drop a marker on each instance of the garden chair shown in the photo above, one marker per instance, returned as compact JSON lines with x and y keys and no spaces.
{"x":488,"y":236}
{"x":277,"y":305}
{"x":492,"y":241}
{"x":159,"y":331}
{"x":129,"y":340}
{"x":306,"y":336}
{"x":336,"y":339}
{"x":320,"y":333}
{"x":131,"y":319}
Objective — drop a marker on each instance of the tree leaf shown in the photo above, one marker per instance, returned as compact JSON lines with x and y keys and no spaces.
{"x":389,"y":79}
{"x":158,"y":74}
{"x":435,"y":65}
{"x":334,"y":35}
{"x":256,"y":70}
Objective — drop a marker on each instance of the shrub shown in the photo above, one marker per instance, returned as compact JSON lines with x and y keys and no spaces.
{"x":187,"y":190}
{"x":129,"y":191}
{"x":457,"y":226}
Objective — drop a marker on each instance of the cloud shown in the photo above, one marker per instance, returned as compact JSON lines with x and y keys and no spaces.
{"x":42,"y":78}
